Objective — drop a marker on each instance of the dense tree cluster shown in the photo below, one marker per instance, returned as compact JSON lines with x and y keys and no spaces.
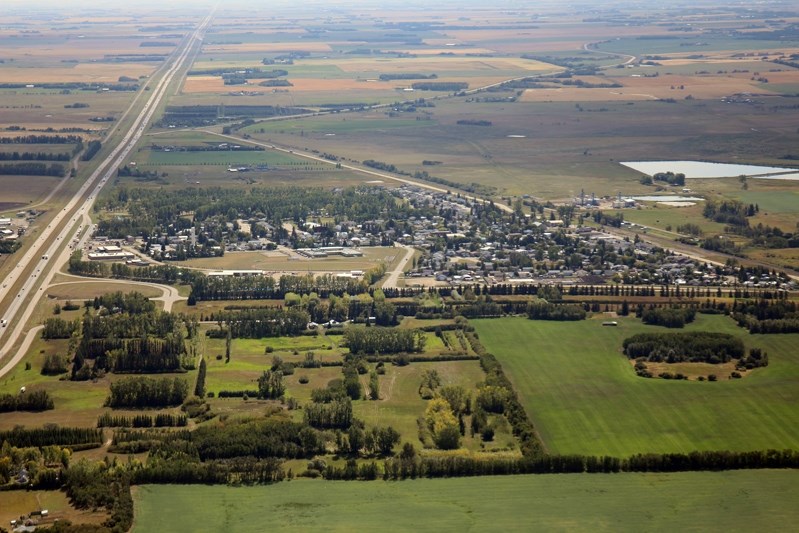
{"x":256,"y":323}
{"x":91,"y":150}
{"x":58,"y":328}
{"x":143,"y":392}
{"x":762,"y":316}
{"x":540,"y":309}
{"x":336,"y":414}
{"x":671,"y":178}
{"x":37,"y":400}
{"x":730,"y":212}
{"x":361,"y":340}
{"x":670,"y":317}
{"x":694,"y":346}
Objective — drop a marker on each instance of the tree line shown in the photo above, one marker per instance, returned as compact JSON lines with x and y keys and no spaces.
{"x":261,"y":322}
{"x":107,"y":419}
{"x":32,"y":169}
{"x":34,"y":156}
{"x":42,"y":139}
{"x":53,"y":435}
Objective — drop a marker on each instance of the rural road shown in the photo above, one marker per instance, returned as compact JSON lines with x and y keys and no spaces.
{"x":588,"y":48}
{"x":59,"y":231}
{"x":393,"y":276}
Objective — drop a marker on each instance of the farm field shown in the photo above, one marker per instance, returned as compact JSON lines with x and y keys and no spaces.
{"x":583,"y":396}
{"x":718,"y":501}
{"x":551,"y":150}
{"x":19,"y":191}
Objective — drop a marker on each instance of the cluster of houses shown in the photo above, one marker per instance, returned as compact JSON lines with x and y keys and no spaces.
{"x":464,"y":243}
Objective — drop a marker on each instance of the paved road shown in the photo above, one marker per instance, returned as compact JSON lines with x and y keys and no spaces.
{"x":52,"y":257}
{"x":393,"y":276}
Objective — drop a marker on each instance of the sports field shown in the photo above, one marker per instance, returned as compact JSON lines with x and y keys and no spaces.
{"x":762,"y":500}
{"x":584,"y":397}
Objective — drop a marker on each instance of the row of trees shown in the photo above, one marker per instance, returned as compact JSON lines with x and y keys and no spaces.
{"x":33,"y":169}
{"x":454,"y":466}
{"x":34,"y":156}
{"x":53,"y":435}
{"x":107,"y":419}
{"x":266,"y":287}
{"x":91,"y":150}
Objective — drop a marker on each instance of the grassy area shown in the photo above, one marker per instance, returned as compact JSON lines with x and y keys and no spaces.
{"x":222,"y":158}
{"x":20,"y":502}
{"x":282,"y":262}
{"x":760,"y":500}
{"x":400,"y":404}
{"x":584,"y":397}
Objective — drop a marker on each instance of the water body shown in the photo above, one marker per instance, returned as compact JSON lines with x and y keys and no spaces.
{"x":701,"y":169}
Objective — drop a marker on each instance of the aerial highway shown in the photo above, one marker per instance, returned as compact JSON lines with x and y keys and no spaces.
{"x":35,"y":269}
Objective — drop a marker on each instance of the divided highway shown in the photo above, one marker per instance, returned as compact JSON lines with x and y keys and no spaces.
{"x":18,"y":303}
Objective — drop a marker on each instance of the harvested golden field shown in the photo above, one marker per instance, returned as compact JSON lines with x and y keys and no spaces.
{"x":267,"y":47}
{"x":661,"y":87}
{"x":457,"y":50}
{"x":315,"y":84}
{"x":440,"y":65}
{"x":575,"y":94}
{"x":78,"y":49}
{"x":205,"y":84}
{"x":102,"y":72}
{"x":215,"y":84}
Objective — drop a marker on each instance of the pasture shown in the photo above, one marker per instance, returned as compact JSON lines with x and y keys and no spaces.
{"x":583,"y":396}
{"x":700,"y":501}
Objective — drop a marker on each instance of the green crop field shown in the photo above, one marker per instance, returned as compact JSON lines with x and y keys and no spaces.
{"x":583,"y":396}
{"x":761,"y":500}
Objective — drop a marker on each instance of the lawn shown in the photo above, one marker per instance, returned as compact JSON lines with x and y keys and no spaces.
{"x":584,"y":397}
{"x":762,"y":500}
